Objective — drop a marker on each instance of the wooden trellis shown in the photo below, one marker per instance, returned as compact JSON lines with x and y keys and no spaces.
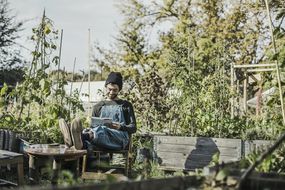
{"x":250,"y":71}
{"x":255,"y":68}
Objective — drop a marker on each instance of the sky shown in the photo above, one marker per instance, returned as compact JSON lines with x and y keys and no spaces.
{"x":75,"y":17}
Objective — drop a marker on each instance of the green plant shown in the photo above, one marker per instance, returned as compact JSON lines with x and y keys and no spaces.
{"x":273,"y":163}
{"x":40,"y":99}
{"x":66,"y":178}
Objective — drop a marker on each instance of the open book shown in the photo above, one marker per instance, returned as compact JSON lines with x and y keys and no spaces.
{"x":98,"y":121}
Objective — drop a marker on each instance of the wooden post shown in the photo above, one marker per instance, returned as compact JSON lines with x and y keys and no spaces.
{"x":20,"y":168}
{"x":56,"y":166}
{"x":245,"y":93}
{"x":237,"y":102}
{"x":71,"y":84}
{"x":258,"y":101}
{"x":84,"y":164}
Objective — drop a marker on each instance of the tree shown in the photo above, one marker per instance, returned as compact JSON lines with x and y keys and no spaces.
{"x":192,"y":59}
{"x":10,"y":60}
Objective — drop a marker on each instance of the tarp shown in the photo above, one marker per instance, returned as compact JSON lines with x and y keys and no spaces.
{"x":264,"y":95}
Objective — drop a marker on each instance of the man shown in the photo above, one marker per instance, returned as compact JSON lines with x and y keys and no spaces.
{"x":114,"y":134}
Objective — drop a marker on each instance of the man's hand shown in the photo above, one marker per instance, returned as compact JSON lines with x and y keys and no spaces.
{"x":115,"y":126}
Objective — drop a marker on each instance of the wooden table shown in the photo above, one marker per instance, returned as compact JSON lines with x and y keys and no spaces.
{"x":58,"y":153}
{"x":7,"y":157}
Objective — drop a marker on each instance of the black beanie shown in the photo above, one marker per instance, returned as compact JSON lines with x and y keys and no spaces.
{"x":115,"y":78}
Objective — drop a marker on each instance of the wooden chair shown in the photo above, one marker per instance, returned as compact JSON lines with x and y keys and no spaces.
{"x":95,"y":175}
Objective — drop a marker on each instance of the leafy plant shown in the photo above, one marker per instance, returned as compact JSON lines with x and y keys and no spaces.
{"x":273,"y":163}
{"x":41,"y":99}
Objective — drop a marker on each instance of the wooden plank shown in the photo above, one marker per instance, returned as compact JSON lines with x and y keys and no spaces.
{"x":167,"y":155}
{"x":100,"y":176}
{"x":171,"y":148}
{"x":185,"y":166}
{"x":254,"y":65}
{"x":174,"y":148}
{"x":253,"y":145}
{"x":9,"y":153}
{"x":196,"y":141}
{"x":179,"y":157}
{"x":195,"y":159}
{"x":175,"y":140}
{"x":203,"y":148}
{"x":195,"y":152}
{"x":186,"y":163}
{"x":4,"y":183}
{"x":7,"y":157}
{"x":5,"y":162}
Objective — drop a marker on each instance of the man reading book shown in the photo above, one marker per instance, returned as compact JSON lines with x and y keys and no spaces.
{"x":118,"y":121}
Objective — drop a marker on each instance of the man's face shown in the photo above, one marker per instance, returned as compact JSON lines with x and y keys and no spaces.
{"x":112,"y":91}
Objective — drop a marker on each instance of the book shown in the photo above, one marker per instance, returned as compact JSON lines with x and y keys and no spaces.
{"x":98,"y":121}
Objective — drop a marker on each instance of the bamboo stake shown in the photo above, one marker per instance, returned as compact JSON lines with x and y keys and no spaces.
{"x":89,"y":65}
{"x":258,"y":101}
{"x":189,"y":70}
{"x":276,"y":61}
{"x":58,"y":67}
{"x":59,"y":57}
{"x":245,"y":93}
{"x":232,"y":87}
{"x":261,"y":70}
{"x":43,"y":39}
{"x":72,"y":76}
{"x":83,"y":78}
{"x":33,"y":64}
{"x":188,"y":54}
{"x":71,"y":85}
{"x":254,"y":65}
{"x":238,"y":110}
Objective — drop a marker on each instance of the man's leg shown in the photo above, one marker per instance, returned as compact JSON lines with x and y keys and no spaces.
{"x":65,"y":130}
{"x":76,"y":130}
{"x":110,"y":138}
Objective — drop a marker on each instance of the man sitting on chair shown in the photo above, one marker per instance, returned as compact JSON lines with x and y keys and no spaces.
{"x":112,"y":134}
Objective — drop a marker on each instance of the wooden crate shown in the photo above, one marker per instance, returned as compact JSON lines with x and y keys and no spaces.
{"x":188,"y":153}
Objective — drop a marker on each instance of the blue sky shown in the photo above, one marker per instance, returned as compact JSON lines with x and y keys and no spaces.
{"x":74,"y":17}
